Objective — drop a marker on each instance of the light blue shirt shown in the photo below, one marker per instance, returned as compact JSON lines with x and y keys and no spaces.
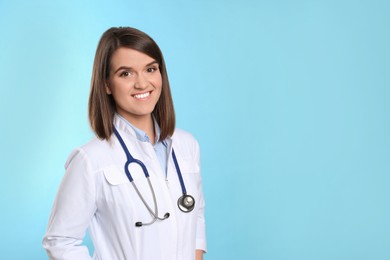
{"x":160,"y":147}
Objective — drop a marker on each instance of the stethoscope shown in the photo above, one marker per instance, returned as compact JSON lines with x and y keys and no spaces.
{"x":186,"y":203}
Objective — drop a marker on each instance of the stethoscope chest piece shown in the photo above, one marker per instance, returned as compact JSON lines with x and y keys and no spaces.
{"x":186,"y":203}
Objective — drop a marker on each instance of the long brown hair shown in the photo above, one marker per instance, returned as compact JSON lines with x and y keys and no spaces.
{"x":101,"y":107}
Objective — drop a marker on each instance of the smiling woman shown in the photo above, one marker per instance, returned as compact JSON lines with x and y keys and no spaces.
{"x":117,"y":196}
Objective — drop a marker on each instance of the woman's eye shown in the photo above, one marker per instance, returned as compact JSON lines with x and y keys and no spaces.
{"x":125,"y":74}
{"x":152,"y":69}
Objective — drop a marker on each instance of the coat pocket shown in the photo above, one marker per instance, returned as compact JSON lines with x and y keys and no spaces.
{"x":189,"y":166}
{"x":115,"y":176}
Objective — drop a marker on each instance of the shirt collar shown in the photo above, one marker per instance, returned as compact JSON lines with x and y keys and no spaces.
{"x":141,"y":135}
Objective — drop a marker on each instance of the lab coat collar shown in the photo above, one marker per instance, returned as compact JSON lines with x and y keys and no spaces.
{"x":122,"y":124}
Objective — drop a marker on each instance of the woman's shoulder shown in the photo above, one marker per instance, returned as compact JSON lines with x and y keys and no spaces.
{"x":93,"y":151}
{"x":185,"y":140}
{"x":95,"y":144}
{"x":183,"y":136}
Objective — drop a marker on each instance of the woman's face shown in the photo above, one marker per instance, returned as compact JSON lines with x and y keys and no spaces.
{"x":135,"y":83}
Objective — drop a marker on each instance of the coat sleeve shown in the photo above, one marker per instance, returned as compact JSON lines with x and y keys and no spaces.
{"x":201,"y":224}
{"x":73,"y":209}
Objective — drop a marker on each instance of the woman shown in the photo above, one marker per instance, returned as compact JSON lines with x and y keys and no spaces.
{"x":130,"y":215}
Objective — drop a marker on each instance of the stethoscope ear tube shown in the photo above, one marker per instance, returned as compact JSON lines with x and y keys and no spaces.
{"x":153,"y":213}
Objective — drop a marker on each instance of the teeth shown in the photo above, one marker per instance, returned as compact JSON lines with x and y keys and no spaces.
{"x":144,"y":95}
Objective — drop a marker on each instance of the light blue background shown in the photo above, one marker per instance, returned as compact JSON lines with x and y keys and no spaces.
{"x":289,"y":100}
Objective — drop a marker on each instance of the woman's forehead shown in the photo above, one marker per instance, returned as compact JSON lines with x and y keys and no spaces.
{"x":130,"y":58}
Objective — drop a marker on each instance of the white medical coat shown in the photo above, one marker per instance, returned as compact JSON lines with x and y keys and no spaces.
{"x":96,"y":194}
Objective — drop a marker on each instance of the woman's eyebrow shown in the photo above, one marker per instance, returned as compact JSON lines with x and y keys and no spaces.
{"x":130,"y":68}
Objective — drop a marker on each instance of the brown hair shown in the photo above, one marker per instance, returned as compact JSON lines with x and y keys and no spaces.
{"x":101,"y":107}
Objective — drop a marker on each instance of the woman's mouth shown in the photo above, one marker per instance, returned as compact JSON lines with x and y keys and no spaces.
{"x":142,"y":95}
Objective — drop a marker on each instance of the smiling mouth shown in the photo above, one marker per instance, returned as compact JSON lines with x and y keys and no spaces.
{"x":142,"y":95}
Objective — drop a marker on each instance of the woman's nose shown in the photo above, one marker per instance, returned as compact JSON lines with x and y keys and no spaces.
{"x":141,"y":82}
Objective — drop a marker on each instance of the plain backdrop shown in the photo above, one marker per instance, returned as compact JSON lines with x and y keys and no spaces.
{"x":288,"y":99}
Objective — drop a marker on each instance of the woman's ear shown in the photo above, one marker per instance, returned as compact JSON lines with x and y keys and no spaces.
{"x":107,"y":87}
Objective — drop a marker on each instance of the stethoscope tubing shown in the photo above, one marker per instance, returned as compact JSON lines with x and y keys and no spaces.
{"x":186,"y":202}
{"x":183,"y":187}
{"x":131,"y":159}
